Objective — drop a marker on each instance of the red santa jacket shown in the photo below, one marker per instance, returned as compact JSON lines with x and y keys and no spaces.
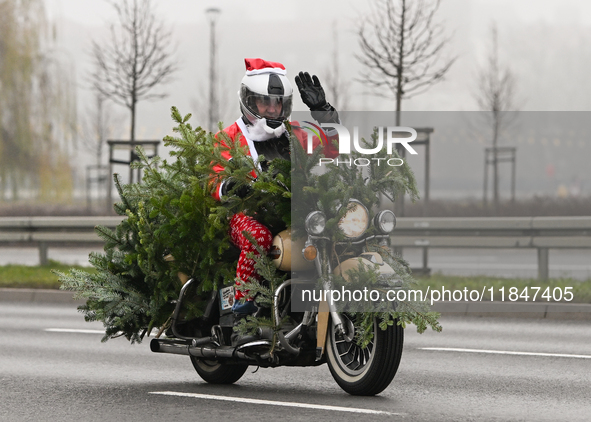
{"x":239,"y":127}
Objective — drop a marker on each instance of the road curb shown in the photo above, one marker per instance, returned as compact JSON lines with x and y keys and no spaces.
{"x":560,"y":310}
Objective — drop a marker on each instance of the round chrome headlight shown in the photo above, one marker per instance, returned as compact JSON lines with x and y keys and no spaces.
{"x":315,"y":223}
{"x":356,"y":221}
{"x":385,"y":221}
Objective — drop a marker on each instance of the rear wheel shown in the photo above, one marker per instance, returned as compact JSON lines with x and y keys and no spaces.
{"x":215,"y":372}
{"x":368,"y":371}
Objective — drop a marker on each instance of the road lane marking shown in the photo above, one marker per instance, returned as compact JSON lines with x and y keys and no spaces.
{"x":276,"y":403}
{"x":72,"y":330}
{"x":505,"y":352}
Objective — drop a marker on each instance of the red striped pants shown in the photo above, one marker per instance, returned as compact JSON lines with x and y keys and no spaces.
{"x":240,"y":223}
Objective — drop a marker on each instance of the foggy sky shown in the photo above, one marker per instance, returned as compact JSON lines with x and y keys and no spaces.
{"x":543,"y":42}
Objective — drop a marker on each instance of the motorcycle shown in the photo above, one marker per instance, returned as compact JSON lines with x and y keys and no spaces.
{"x":319,"y":334}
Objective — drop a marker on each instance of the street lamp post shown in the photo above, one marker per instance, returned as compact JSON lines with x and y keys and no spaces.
{"x":212,"y":14}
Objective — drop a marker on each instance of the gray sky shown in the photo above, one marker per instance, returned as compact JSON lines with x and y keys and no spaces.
{"x":298,"y":33}
{"x":545,"y":43}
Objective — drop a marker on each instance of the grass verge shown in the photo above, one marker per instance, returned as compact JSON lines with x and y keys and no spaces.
{"x":41,"y":277}
{"x":35,"y":277}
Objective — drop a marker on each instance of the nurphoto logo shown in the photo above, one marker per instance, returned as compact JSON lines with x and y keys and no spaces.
{"x":344,"y":136}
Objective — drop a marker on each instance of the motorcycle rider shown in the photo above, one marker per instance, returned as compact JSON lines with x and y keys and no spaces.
{"x":266,"y":102}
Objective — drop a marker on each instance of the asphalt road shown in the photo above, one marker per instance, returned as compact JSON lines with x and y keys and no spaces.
{"x":53,"y":367}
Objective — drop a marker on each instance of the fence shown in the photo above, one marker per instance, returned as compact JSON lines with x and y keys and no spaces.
{"x":44,"y":232}
{"x":541,"y":233}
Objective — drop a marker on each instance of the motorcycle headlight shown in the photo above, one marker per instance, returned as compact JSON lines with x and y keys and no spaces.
{"x":315,"y":223}
{"x":385,"y":221}
{"x":356,"y":221}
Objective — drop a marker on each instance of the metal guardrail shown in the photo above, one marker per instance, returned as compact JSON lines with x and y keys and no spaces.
{"x":44,"y":232}
{"x":541,"y":233}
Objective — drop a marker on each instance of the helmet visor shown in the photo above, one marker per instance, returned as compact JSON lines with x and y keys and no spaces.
{"x":269,"y":106}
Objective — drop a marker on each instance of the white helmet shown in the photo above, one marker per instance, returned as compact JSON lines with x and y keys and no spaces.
{"x":265,"y":92}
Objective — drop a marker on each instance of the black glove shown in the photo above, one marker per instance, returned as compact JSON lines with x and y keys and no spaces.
{"x":230,"y":187}
{"x":313,"y":96}
{"x":311,"y":91}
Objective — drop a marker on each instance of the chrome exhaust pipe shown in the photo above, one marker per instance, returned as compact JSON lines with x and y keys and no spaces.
{"x":175,"y":347}
{"x":180,"y":347}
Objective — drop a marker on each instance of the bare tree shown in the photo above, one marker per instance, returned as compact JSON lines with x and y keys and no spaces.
{"x":336,"y":87}
{"x":137,"y":59}
{"x":401,"y":49}
{"x":496,"y":94}
{"x":402,"y":52}
{"x":37,"y":106}
{"x":98,"y":126}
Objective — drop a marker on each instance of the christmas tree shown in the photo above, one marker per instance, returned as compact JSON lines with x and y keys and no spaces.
{"x":173,"y":213}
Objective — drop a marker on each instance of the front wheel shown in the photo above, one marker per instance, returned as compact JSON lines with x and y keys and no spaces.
{"x":368,"y":371}
{"x":215,"y":372}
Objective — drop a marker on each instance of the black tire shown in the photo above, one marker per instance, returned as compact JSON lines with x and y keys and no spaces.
{"x":365,"y":372}
{"x":215,"y":372}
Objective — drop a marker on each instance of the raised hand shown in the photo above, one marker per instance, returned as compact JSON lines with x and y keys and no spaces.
{"x":311,"y":91}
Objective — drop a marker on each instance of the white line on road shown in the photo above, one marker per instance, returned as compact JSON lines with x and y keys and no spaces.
{"x":71,"y":330}
{"x":505,"y":352}
{"x":276,"y":403}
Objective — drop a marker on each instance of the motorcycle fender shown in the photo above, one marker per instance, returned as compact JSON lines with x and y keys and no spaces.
{"x":322,"y":328}
{"x":367,"y":259}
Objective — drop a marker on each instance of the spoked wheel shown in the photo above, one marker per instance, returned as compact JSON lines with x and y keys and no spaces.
{"x":364,"y":371}
{"x":215,"y":372}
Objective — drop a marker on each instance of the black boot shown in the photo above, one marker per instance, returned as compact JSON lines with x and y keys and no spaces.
{"x":241,"y":312}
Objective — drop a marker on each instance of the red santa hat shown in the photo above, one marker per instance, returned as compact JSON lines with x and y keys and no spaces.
{"x":260,"y":66}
